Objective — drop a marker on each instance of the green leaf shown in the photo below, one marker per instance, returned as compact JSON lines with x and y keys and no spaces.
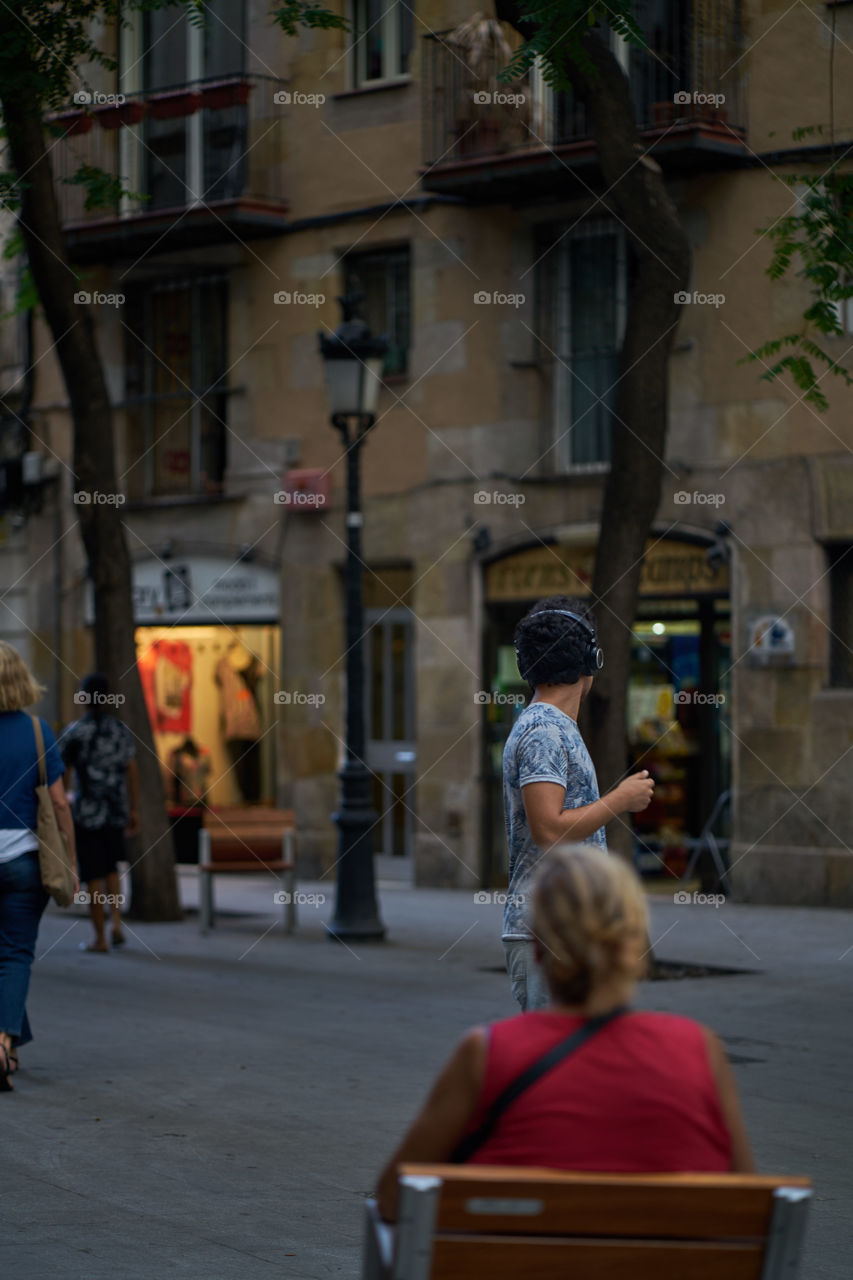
{"x":293,"y":14}
{"x":103,"y":190}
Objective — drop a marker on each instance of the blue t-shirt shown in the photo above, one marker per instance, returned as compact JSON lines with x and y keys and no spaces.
{"x":19,"y":777}
{"x":544,"y":745}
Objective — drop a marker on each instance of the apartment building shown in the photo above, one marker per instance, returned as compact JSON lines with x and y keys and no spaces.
{"x":275,"y":174}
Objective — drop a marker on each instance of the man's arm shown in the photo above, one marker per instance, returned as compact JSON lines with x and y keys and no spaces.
{"x":550,"y":823}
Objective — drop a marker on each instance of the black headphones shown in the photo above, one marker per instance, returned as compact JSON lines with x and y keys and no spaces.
{"x":593,"y":658}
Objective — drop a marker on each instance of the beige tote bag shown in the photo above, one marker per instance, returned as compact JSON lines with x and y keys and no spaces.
{"x":56,"y":860}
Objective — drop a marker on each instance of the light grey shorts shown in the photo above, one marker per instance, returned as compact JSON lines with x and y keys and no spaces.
{"x":527,"y":979}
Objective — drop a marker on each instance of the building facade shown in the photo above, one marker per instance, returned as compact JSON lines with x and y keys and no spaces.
{"x":279,"y":173}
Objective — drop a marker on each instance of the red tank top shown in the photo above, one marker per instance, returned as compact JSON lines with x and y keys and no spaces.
{"x":639,"y":1097}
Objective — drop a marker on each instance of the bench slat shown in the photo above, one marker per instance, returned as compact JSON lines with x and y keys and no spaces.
{"x":661,"y":1206}
{"x":502,"y":1258}
{"x":246,"y":867}
{"x":248,"y":817}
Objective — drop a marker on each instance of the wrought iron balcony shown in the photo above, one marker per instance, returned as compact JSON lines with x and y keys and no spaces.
{"x":485,"y":139}
{"x":199,"y":163}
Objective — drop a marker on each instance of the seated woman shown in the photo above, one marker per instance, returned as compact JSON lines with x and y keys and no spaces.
{"x":646,"y":1093}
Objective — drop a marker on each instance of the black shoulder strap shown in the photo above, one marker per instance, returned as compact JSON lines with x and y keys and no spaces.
{"x":534,"y":1072}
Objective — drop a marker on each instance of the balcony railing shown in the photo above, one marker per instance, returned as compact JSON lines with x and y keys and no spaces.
{"x":685,"y":87}
{"x":202,"y":152}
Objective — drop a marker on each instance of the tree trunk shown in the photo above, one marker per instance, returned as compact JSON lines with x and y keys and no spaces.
{"x":660,"y":258}
{"x":154,"y":883}
{"x":660,"y":254}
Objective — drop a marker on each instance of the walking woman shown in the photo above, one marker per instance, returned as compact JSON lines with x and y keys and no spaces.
{"x":22,"y":897}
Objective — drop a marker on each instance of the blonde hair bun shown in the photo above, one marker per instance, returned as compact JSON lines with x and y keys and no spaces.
{"x":590,"y":917}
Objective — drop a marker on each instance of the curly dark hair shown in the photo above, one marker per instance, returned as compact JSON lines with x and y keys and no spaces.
{"x":552,"y":649}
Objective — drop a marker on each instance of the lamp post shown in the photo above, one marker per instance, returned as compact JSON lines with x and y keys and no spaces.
{"x":352,"y":361}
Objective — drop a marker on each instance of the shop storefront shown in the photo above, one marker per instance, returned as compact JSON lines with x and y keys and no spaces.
{"x":677,"y":696}
{"x":208,"y":649}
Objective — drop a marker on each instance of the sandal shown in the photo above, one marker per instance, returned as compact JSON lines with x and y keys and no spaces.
{"x":118,"y":938}
{"x":14,"y":1064}
{"x":6,"y":1085}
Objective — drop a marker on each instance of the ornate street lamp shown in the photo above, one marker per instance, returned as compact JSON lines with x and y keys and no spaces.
{"x":352,"y":361}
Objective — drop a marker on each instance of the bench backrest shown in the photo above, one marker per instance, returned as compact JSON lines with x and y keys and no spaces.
{"x":256,"y":815}
{"x":245,"y":835}
{"x":457,"y":1222}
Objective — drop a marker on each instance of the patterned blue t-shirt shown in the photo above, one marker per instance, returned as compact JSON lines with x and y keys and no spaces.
{"x":544,"y":745}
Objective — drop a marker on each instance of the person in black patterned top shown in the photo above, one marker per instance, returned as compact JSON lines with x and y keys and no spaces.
{"x":101,"y":751}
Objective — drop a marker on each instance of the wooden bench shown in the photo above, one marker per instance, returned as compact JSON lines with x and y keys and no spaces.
{"x":459,"y":1222}
{"x":244,"y":841}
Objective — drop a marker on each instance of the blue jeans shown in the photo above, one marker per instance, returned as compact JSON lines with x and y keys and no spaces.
{"x":22,"y":901}
{"x":526,"y":978}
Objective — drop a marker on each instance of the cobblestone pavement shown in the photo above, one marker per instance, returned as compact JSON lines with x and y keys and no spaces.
{"x":216,"y":1108}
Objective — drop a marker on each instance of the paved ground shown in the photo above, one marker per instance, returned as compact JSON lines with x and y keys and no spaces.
{"x":216,"y":1108}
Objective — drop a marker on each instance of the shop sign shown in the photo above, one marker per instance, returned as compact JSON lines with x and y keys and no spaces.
{"x":209,"y":589}
{"x":670,"y":568}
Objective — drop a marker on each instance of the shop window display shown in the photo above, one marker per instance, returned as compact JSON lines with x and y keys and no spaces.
{"x":209,"y":693}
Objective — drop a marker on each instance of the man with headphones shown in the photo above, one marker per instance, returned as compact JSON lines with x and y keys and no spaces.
{"x":549,"y":785}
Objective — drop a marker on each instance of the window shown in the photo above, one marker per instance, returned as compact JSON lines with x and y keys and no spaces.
{"x":177,"y":51}
{"x":841,"y":615}
{"x":581,"y":311}
{"x":192,"y":155}
{"x":383,"y":278}
{"x":382,"y":40}
{"x":176,"y":394}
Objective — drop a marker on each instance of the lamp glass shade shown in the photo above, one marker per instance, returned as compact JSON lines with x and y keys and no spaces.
{"x":370,"y":383}
{"x":353,"y":385}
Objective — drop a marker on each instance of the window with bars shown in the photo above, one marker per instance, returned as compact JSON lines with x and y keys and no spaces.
{"x":176,"y":389}
{"x":384,"y":277}
{"x":581,"y":291}
{"x":382,"y":35}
